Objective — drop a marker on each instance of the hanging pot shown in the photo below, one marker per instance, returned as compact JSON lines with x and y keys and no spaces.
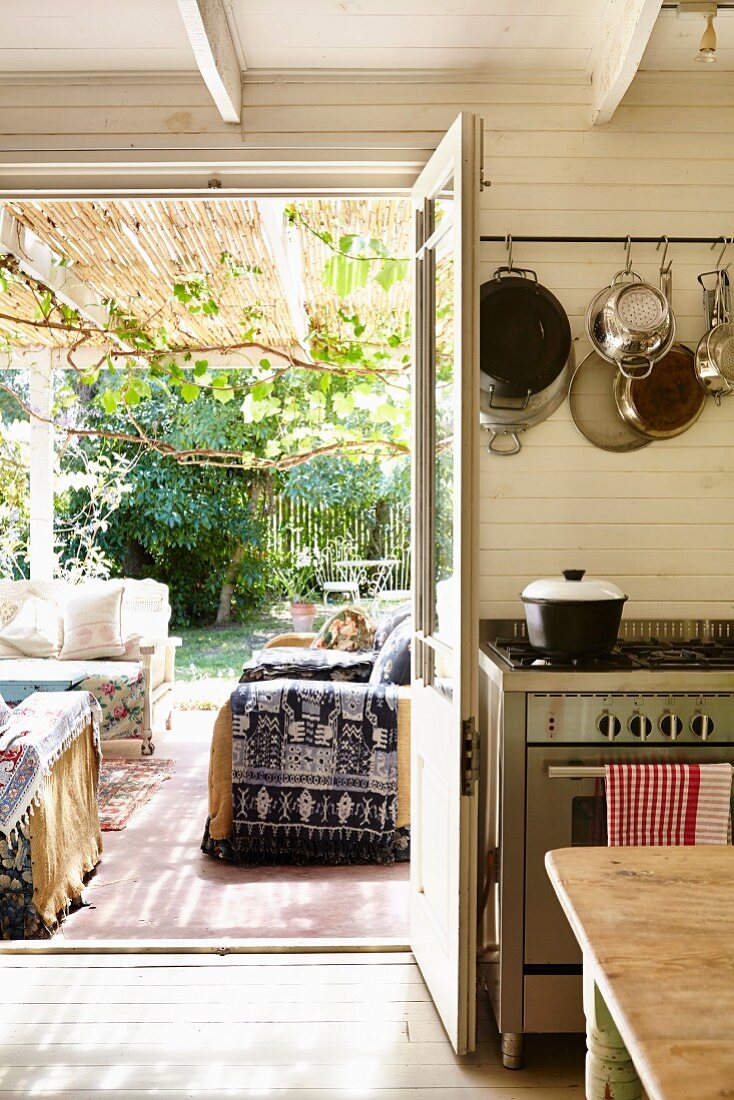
{"x":714,"y":360}
{"x":525,"y":336}
{"x":573,"y":617}
{"x":631,"y":324}
{"x":505,"y":425}
{"x":667,"y":401}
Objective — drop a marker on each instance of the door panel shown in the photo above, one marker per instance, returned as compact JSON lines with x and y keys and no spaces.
{"x":445,"y":643}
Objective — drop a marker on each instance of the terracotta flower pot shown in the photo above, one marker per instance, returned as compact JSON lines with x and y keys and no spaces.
{"x":302,"y":616}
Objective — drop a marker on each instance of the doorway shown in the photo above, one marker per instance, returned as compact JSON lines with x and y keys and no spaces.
{"x":247,"y":289}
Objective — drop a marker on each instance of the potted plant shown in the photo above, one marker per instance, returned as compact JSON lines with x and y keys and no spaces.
{"x":296,"y":577}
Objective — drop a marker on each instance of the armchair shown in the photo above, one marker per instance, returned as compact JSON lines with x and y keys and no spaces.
{"x":310,"y":764}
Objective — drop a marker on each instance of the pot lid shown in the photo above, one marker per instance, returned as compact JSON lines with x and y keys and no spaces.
{"x":572,"y":588}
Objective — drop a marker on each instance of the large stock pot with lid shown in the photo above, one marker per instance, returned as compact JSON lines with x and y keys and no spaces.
{"x":571,"y":617}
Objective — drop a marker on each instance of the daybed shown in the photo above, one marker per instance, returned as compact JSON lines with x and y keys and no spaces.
{"x":49,"y":825}
{"x":310,"y":757}
{"x":116,"y":646}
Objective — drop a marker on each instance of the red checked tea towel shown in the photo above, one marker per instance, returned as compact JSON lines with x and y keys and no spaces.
{"x":672,"y":804}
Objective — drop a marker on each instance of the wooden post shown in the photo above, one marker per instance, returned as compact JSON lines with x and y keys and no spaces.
{"x":41,"y":550}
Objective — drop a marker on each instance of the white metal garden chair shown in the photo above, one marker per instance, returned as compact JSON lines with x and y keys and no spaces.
{"x":335,"y":575}
{"x":395,"y":584}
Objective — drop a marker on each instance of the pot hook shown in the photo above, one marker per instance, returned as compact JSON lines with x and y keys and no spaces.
{"x":628,"y":256}
{"x":508,"y":244}
{"x":665,"y":244}
{"x":725,"y":242}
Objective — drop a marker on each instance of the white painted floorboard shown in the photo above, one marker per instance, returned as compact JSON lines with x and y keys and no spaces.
{"x":308,"y":1026}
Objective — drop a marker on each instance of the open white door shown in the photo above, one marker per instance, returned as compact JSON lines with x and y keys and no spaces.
{"x":445,"y":645}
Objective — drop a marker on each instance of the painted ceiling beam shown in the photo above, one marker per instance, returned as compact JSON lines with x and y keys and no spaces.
{"x":214,"y":49}
{"x":625,"y":26}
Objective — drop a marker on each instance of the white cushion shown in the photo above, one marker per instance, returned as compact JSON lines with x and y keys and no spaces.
{"x":93,"y":625}
{"x":34,"y":630}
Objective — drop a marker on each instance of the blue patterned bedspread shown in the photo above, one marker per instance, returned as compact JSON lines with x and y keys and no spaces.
{"x":314,"y":773}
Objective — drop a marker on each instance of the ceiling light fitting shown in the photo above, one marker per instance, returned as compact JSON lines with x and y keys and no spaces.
{"x":707,"y":47}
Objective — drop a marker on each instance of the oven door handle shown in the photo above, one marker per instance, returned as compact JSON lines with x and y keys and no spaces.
{"x":576,"y":772}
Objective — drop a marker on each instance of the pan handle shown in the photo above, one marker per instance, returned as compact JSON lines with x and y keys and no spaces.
{"x":522,"y":272}
{"x":494,"y":434}
{"x":512,"y":408}
{"x":632,"y":375}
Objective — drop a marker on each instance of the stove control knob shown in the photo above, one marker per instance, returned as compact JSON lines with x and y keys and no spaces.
{"x":640,"y":726}
{"x":670,"y":725}
{"x":608,"y":725}
{"x":702,"y":726}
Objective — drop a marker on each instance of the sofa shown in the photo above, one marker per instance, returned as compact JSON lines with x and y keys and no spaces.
{"x":106,"y":637}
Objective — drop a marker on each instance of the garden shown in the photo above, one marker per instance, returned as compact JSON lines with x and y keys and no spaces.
{"x":197,"y":445}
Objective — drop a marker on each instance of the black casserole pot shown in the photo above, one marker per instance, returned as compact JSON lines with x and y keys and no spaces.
{"x":572,"y":617}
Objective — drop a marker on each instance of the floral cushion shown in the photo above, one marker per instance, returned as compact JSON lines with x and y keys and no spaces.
{"x":349,"y":629}
{"x":386,"y":626}
{"x":392,"y":665}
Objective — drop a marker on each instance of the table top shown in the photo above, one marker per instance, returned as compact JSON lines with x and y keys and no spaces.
{"x":658,"y":925}
{"x":367,"y":561}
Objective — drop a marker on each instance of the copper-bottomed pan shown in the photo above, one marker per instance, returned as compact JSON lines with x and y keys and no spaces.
{"x":665,"y":403}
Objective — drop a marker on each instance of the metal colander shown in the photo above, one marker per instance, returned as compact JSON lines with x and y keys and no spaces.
{"x":631,"y":324}
{"x":640,"y":307}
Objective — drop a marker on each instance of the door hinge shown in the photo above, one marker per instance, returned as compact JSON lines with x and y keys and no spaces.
{"x":469,"y":755}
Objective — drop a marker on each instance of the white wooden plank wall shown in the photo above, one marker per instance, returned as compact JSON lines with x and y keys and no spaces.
{"x":660,"y":520}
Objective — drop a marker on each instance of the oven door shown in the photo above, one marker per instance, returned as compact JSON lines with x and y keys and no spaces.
{"x":565,"y":808}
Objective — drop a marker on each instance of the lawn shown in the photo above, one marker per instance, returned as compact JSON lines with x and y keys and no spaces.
{"x":219,"y":652}
{"x":210,"y":660}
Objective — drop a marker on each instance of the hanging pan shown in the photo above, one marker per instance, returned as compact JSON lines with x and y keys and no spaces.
{"x":525,"y":337}
{"x":668,"y":400}
{"x":594,"y":410}
{"x":714,"y":360}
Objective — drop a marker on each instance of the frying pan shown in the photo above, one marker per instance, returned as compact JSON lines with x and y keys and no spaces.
{"x":525,"y":336}
{"x":595,"y":411}
{"x":666,"y":402}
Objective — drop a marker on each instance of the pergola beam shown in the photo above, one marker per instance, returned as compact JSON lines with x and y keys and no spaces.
{"x":36,"y":259}
{"x":287,"y":259}
{"x":626,"y":28}
{"x":211,"y":40}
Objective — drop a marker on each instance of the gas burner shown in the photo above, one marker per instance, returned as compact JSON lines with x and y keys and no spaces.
{"x":520,"y":654}
{"x":646,"y":653}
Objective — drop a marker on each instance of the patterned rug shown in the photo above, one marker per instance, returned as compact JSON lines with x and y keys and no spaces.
{"x":125,"y":786}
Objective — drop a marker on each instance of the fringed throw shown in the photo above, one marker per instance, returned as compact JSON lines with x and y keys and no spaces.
{"x":41,"y":729}
{"x":314,"y":773}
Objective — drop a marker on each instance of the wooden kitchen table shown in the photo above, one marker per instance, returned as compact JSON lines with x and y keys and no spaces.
{"x":656,"y":926}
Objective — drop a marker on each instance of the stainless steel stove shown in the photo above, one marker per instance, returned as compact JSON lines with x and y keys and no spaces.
{"x":548,"y":727}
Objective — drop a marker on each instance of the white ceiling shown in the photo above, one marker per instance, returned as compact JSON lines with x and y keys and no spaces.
{"x":108,"y":36}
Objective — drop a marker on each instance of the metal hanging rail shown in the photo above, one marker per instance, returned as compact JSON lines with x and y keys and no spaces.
{"x":502,"y":239}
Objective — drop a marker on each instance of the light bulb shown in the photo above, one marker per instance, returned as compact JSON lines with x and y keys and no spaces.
{"x":707,"y":48}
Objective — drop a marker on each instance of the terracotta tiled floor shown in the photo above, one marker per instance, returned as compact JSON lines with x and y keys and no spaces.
{"x":154,"y":882}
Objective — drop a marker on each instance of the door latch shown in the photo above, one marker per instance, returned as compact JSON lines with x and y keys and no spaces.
{"x":469,"y":755}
